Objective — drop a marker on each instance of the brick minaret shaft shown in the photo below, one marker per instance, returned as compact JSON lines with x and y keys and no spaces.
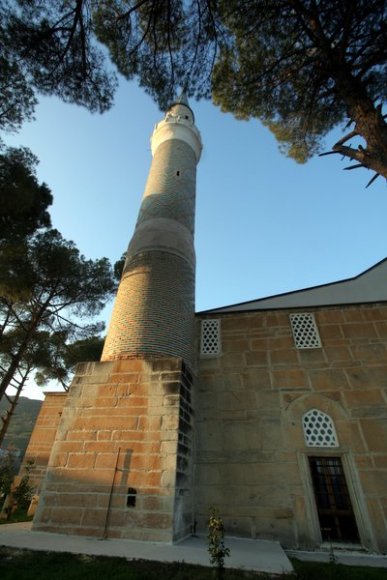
{"x":154,"y":309}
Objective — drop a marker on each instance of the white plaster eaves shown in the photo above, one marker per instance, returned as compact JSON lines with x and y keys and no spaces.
{"x":369,"y":286}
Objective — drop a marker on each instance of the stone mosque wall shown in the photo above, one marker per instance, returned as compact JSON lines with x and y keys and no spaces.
{"x":251,"y":453}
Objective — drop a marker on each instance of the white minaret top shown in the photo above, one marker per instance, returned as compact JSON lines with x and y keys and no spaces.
{"x":179,"y":123}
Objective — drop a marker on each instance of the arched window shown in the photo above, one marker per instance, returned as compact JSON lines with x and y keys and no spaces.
{"x":319,"y":429}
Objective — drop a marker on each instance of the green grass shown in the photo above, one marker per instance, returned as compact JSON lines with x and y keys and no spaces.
{"x":320,"y":571}
{"x":31,"y":565}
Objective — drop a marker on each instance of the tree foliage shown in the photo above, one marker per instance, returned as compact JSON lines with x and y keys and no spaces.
{"x":163,"y":44}
{"x":63,"y":356}
{"x":48,"y":47}
{"x":216,"y":547}
{"x":24,"y":201}
{"x":302,"y":67}
{"x":24,"y":206}
{"x":65,"y":293}
{"x":7,"y":473}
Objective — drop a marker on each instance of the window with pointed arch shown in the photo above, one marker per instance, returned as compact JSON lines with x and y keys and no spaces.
{"x":319,"y":429}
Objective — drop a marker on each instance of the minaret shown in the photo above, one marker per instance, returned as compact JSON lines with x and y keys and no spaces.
{"x":154,"y":308}
{"x":121,"y":463}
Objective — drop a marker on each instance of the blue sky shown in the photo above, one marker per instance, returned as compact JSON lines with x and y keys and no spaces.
{"x":264,"y":224}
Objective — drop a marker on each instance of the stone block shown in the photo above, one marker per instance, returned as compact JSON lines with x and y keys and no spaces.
{"x":94,"y":518}
{"x":170,"y":422}
{"x":79,"y":500}
{"x":236,"y":345}
{"x":289,"y":379}
{"x":267,"y":401}
{"x":338,"y":353}
{"x":283,"y":357}
{"x":363,"y":462}
{"x":207,"y":362}
{"x":259,"y":344}
{"x":374,"y":482}
{"x":278,"y":319}
{"x":236,"y":400}
{"x":257,"y":320}
{"x":256,"y":379}
{"x":145,"y":462}
{"x":328,"y":316}
{"x":66,"y":516}
{"x":105,"y":461}
{"x":81,"y":460}
{"x":375,"y":434}
{"x":380,"y":461}
{"x":377,"y":518}
{"x":234,"y":324}
{"x":145,"y":480}
{"x":350,"y":436}
{"x":256,"y":358}
{"x":104,"y":435}
{"x":368,"y":377}
{"x":353,"y":315}
{"x":281,"y":342}
{"x":168,"y":478}
{"x":360,"y":330}
{"x":99,"y":446}
{"x":149,"y":423}
{"x":381,"y":328}
{"x":234,"y":360}
{"x":370,"y":352}
{"x":327,"y":379}
{"x":367,"y":398}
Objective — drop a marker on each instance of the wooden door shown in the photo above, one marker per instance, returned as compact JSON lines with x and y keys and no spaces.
{"x":334,"y":507}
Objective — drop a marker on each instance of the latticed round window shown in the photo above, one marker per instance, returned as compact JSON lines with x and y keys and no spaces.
{"x":319,"y":430}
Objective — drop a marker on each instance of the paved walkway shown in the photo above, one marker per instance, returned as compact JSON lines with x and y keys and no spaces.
{"x":258,"y":555}
{"x":349,"y":558}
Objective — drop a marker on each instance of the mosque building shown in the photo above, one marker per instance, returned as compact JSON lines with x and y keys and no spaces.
{"x":274,"y":410}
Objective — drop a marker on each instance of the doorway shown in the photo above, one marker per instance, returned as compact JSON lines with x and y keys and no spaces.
{"x":333,"y":502}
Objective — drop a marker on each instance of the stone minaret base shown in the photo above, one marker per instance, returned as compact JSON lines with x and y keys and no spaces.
{"x":120,"y":466}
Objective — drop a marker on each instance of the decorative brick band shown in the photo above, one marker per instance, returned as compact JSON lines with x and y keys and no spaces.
{"x":154,"y":309}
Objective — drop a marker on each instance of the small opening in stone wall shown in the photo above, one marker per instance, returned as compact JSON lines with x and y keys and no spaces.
{"x":177,"y":173}
{"x":131,"y":497}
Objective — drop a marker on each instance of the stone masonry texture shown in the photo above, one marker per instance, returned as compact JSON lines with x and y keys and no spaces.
{"x":252,"y":459}
{"x":249,"y":452}
{"x":126,"y":427}
{"x":43,"y":437}
{"x":154,"y":309}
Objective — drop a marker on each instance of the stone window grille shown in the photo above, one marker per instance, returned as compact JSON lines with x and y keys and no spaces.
{"x":210,"y":337}
{"x":305,"y":331}
{"x":319,"y":429}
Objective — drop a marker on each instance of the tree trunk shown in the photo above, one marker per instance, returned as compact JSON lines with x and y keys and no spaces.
{"x":18,"y":357}
{"x":368,"y":119}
